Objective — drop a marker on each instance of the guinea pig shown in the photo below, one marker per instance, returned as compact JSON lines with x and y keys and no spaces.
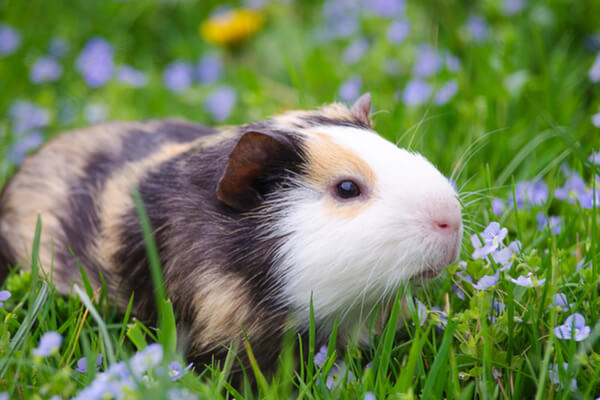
{"x":251,"y":222}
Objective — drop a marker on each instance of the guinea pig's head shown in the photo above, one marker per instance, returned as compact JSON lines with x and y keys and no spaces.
{"x":357,"y":216}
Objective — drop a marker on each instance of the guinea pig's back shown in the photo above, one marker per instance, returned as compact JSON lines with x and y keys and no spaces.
{"x":79,"y":183}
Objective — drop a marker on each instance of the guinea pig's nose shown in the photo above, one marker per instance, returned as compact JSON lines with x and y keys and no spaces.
{"x":446,"y":217}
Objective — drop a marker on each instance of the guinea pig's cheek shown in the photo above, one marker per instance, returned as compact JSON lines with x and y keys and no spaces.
{"x":345,"y":210}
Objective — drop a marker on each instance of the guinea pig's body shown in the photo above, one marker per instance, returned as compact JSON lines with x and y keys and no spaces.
{"x":250,"y":221}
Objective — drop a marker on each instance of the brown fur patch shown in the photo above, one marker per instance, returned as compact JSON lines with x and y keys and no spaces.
{"x":116,"y":199}
{"x":329,"y":161}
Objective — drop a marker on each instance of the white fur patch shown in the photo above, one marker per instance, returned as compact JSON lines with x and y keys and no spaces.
{"x":352,"y":261}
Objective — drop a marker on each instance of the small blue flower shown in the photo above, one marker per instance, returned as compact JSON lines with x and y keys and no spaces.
{"x":4,"y":396}
{"x":595,"y":158}
{"x":477,"y":27}
{"x":355,"y":50}
{"x":178,"y":76}
{"x":9,"y":40}
{"x":45,"y":69}
{"x":552,"y":223}
{"x":594,"y":72}
{"x":487,"y":281}
{"x":350,"y":89}
{"x":453,"y":63}
{"x":492,"y":237}
{"x":18,"y":151}
{"x":421,"y":312}
{"x":398,"y":31}
{"x":209,"y":69}
{"x":503,"y":257}
{"x":527,"y":281}
{"x":574,"y":327}
{"x":512,"y":7}
{"x":58,"y":47}
{"x":181,"y":394}
{"x":369,"y":396}
{"x":572,"y":190}
{"x":386,"y":8}
{"x":559,"y":301}
{"x":336,"y":376}
{"x":596,"y":121}
{"x":95,"y":62}
{"x":320,"y":357}
{"x":130,"y":76}
{"x":220,"y":102}
{"x":497,"y":207}
{"x":49,"y":344}
{"x":26,"y":116}
{"x":4,"y":295}
{"x":146,"y":359}
{"x":441,"y":315}
{"x":175,"y":370}
{"x":428,"y":61}
{"x":416,"y":92}
{"x":555,"y":376}
{"x":446,"y":92}
{"x":82,"y":364}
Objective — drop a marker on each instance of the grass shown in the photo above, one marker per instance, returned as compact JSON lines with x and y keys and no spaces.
{"x":522,"y":112}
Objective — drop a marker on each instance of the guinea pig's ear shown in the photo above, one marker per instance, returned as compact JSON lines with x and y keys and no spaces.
{"x":255,"y":155}
{"x":361,"y":109}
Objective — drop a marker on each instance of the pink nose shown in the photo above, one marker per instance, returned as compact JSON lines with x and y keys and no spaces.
{"x":445,"y":216}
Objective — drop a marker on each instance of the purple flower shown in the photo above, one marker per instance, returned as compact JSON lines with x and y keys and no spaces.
{"x":178,"y":76}
{"x":492,"y":238}
{"x":4,"y":295}
{"x":527,"y":281}
{"x":477,"y":28}
{"x":573,"y":189}
{"x":487,"y":281}
{"x":146,"y":359}
{"x":398,"y":31}
{"x":503,"y":257}
{"x":9,"y":40}
{"x":428,"y":61}
{"x":594,"y":72}
{"x":386,"y":8}
{"x":446,"y":92}
{"x":320,"y":357}
{"x":341,"y":20}
{"x":338,"y":372}
{"x":45,"y":69}
{"x":529,"y":192}
{"x":497,"y":207}
{"x":95,"y":113}
{"x":421,"y":312}
{"x":58,"y":47}
{"x":559,"y":301}
{"x":95,"y":62}
{"x":220,"y":103}
{"x":595,"y":158}
{"x":554,"y":375}
{"x":369,"y":396}
{"x":441,"y":315}
{"x":452,"y":62}
{"x":574,"y":327}
{"x":17,"y":152}
{"x":496,"y":309}
{"x":552,"y":223}
{"x":350,"y":89}
{"x":416,"y":92}
{"x":209,"y":69}
{"x":26,"y":116}
{"x":355,"y":50}
{"x":82,"y":364}
{"x":181,"y":394}
{"x":49,"y":343}
{"x":130,"y":76}
{"x":176,"y":370}
{"x":512,"y":7}
{"x":596,"y":120}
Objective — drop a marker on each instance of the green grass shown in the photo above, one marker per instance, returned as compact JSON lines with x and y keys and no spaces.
{"x":522,"y":111}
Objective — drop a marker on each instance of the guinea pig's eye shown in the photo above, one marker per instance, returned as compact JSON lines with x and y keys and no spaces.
{"x":347,"y":189}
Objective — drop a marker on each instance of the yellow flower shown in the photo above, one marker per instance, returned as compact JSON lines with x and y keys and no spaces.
{"x":231,"y":27}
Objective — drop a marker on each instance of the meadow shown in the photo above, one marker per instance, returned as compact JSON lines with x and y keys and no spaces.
{"x":503,"y":96}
